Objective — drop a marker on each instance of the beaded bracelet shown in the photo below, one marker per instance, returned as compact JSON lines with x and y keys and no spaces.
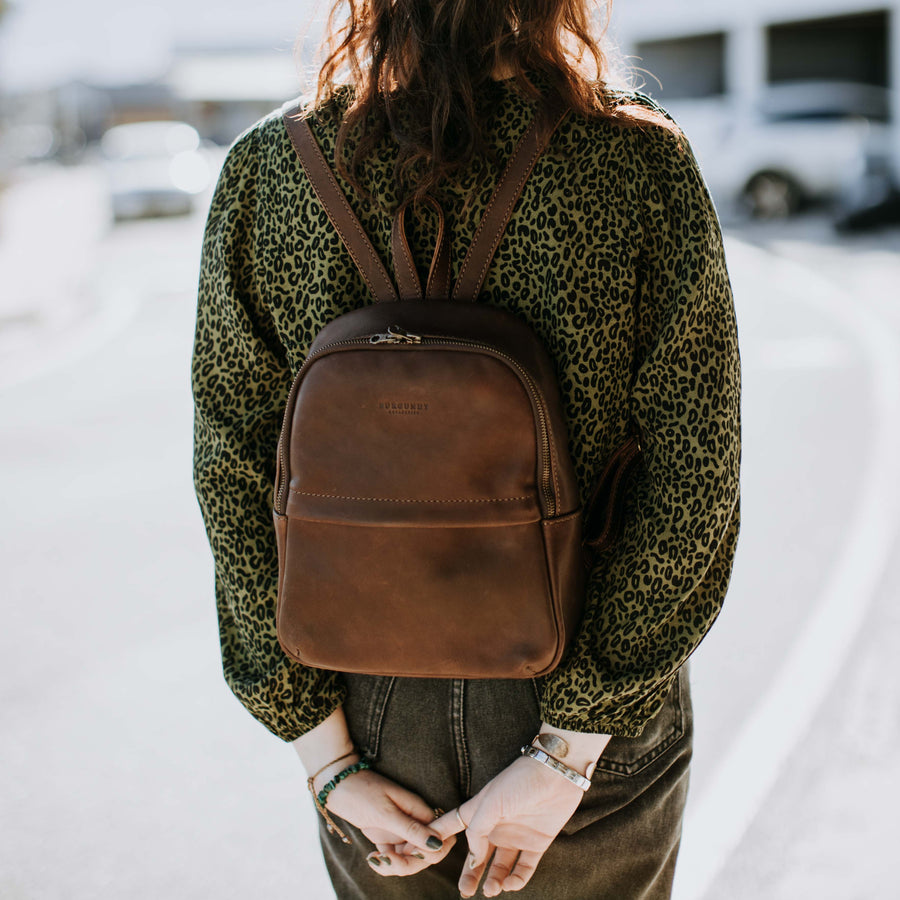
{"x":312,"y":778}
{"x":321,"y":798}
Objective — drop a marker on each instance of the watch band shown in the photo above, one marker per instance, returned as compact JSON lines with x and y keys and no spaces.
{"x":546,"y":759}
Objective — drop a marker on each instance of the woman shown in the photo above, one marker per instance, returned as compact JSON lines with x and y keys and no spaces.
{"x":614,"y":257}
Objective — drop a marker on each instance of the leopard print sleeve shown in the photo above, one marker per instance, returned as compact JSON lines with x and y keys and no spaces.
{"x":654,"y":596}
{"x":240,"y":379}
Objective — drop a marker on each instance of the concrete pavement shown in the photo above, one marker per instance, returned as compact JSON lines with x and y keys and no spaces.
{"x":52,"y":222}
{"x":826,"y":827}
{"x":831,"y":388}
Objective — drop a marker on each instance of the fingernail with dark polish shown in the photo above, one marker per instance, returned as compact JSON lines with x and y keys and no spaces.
{"x":418,"y":855}
{"x":434,"y":843}
{"x":386,"y":860}
{"x":374,"y":861}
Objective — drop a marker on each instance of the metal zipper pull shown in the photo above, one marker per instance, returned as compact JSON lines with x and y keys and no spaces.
{"x":395,"y":335}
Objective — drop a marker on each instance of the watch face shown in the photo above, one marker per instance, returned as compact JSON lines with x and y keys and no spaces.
{"x":553,"y":744}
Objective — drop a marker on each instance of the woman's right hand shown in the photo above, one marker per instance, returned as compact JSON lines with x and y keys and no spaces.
{"x":394,"y":819}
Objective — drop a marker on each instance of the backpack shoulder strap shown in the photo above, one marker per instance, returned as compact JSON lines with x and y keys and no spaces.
{"x":488,"y":235}
{"x":550,"y":114}
{"x":335,"y":202}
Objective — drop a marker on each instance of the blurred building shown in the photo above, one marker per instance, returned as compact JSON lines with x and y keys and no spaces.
{"x":220,"y":90}
{"x":706,"y":48}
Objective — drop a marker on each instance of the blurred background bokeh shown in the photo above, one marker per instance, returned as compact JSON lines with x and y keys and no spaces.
{"x":128,"y":771}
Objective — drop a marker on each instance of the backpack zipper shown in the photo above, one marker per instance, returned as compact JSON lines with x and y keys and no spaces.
{"x":397,"y":335}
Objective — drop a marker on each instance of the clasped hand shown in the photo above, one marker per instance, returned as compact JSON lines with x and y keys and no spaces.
{"x":510,"y":824}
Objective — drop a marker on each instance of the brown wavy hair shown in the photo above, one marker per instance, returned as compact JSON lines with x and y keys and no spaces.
{"x":423,"y":71}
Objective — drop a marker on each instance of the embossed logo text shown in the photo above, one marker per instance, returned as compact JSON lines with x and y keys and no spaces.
{"x":402,"y":407}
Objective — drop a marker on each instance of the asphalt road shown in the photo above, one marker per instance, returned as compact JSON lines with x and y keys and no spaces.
{"x":130,"y":771}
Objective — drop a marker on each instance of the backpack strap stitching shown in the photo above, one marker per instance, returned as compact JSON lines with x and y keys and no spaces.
{"x":339,"y":211}
{"x":507,"y":213}
{"x":410,"y":286}
{"x":408,"y":500}
{"x":493,"y":222}
{"x":438,"y":285}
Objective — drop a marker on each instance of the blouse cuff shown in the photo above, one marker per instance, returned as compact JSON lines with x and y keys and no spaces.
{"x":617,"y":718}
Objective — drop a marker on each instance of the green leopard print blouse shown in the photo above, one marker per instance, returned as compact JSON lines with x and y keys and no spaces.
{"x":614,"y":256}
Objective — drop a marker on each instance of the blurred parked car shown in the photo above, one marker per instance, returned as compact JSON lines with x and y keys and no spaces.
{"x":154,"y":168}
{"x":27,"y":143}
{"x":804,"y":143}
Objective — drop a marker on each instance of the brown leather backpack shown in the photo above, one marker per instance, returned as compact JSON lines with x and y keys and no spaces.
{"x":427,"y":516}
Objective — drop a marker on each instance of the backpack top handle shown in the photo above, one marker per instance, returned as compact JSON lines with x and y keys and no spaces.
{"x":438,"y":285}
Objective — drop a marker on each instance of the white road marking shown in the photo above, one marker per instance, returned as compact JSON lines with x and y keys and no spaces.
{"x":716,"y":823}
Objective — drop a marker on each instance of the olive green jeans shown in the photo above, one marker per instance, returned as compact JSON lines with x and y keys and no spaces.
{"x":445,"y":739}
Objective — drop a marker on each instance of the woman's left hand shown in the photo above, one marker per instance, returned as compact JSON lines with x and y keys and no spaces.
{"x":398,"y":822}
{"x":515,"y":817}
